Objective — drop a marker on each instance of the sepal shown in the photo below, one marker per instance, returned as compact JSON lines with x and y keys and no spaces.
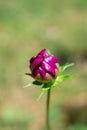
{"x":60,"y":79}
{"x":33,"y":83}
{"x":38,"y":83}
{"x":28,"y":74}
{"x":65,"y":66}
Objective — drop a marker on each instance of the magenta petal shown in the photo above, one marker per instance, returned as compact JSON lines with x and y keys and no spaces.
{"x":48,"y":68}
{"x":35,"y":72}
{"x":44,"y":66}
{"x":36,"y":62}
{"x":51,"y":59}
{"x":42,"y":72}
{"x":32,"y":59}
{"x":42,"y":52}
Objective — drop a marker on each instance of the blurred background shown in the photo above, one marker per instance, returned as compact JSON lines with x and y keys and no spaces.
{"x":27,"y":26}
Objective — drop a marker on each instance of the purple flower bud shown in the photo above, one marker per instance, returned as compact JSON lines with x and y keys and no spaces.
{"x":44,"y":66}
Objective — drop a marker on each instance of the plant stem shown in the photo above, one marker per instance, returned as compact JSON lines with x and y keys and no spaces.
{"x":47,"y":110}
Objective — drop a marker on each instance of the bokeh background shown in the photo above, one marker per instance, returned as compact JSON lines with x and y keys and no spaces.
{"x":27,"y":26}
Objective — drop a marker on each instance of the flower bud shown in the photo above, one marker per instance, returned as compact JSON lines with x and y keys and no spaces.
{"x":44,"y":66}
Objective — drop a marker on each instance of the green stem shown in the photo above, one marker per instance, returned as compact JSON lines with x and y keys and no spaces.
{"x":47,"y":110}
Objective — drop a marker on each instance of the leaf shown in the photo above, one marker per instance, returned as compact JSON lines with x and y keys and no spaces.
{"x":29,"y":74}
{"x":37,"y":83}
{"x":33,"y":83}
{"x":64,"y":67}
{"x":28,"y":85}
{"x":43,"y":91}
{"x":60,"y":79}
{"x":45,"y":87}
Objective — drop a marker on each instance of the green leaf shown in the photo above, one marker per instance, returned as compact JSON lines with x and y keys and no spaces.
{"x":33,"y":83}
{"x":28,"y":85}
{"x":60,"y":79}
{"x":29,"y":74}
{"x":64,"y":67}
{"x":45,"y":87}
{"x":43,"y":91}
{"x":37,"y":83}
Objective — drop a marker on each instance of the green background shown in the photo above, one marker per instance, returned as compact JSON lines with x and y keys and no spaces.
{"x":26,"y":27}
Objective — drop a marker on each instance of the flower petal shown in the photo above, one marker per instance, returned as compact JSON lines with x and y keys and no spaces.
{"x":35,"y":72}
{"x":32,"y":59}
{"x":42,"y":72}
{"x":48,"y":68}
{"x":35,"y":63}
{"x":44,"y":66}
{"x":51,"y":59}
{"x":42,"y":52}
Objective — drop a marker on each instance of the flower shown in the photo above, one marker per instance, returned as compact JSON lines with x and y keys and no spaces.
{"x":44,"y":66}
